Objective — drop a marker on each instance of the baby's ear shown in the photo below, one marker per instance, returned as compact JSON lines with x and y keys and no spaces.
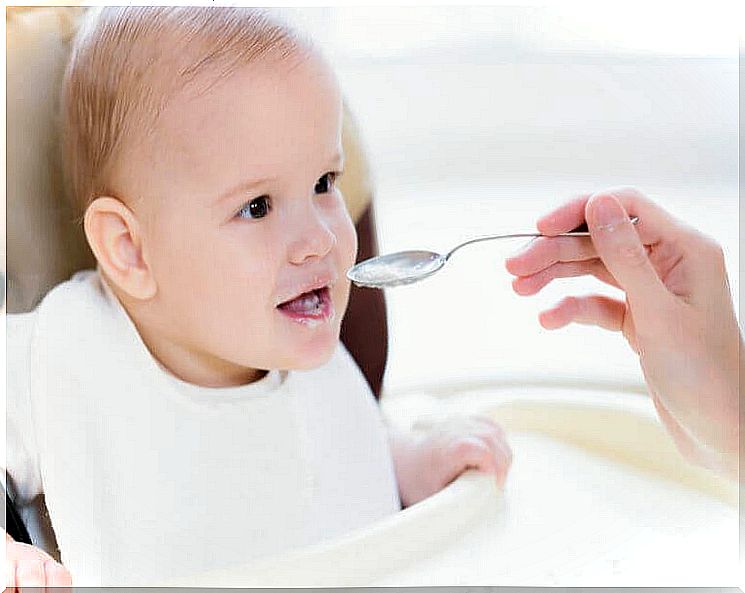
{"x":116,"y":240}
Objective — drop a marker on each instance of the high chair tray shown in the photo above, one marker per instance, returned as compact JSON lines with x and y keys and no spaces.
{"x":597,"y":496}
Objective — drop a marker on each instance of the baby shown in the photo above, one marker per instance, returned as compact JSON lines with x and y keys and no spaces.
{"x":188,"y":405}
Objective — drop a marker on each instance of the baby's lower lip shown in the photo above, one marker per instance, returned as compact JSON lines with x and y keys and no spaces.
{"x":323,"y":311}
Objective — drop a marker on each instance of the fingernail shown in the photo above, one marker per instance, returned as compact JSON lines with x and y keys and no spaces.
{"x":607,"y":213}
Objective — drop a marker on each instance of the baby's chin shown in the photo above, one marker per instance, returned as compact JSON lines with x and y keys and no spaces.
{"x":312,"y":357}
{"x":309,"y":345}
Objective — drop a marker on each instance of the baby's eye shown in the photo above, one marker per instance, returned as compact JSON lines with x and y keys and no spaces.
{"x":326,"y":183}
{"x":256,"y":208}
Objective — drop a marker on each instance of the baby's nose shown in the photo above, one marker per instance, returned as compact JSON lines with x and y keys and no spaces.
{"x":314,"y":239}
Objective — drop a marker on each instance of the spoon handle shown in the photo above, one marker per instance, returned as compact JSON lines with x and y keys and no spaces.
{"x":581,"y":231}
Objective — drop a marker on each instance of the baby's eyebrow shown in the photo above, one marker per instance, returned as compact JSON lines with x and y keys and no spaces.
{"x":247,"y":185}
{"x":241,"y":188}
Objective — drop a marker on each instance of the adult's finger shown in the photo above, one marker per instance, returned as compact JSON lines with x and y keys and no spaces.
{"x":527,"y":285}
{"x":546,"y":251}
{"x":655,"y":224}
{"x":623,"y":253}
{"x":566,"y":217}
{"x":597,"y":310}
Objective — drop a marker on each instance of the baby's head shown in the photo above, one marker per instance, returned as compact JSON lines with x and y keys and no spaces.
{"x":202,"y":146}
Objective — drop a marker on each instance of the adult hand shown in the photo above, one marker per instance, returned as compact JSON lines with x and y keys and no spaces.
{"x":678,"y":314}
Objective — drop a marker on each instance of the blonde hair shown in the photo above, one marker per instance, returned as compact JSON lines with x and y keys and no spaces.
{"x":126,"y":63}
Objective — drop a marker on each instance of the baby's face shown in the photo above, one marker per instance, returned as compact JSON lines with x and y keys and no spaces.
{"x":247,"y":235}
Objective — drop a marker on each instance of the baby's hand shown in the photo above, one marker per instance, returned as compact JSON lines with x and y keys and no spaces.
{"x":426,"y":463}
{"x":28,"y":566}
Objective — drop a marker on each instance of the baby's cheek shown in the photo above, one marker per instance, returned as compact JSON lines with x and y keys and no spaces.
{"x":346,"y":255}
{"x":347,"y":238}
{"x":346,"y":249}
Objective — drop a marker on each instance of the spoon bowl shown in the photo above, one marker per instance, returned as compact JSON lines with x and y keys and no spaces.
{"x":396,"y":269}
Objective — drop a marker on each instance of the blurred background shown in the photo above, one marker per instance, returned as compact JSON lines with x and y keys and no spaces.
{"x":480,"y":119}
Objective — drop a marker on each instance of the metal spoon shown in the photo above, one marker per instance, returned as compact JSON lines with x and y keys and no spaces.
{"x":407,"y":267}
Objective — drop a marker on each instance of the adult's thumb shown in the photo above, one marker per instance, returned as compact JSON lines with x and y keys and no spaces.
{"x":623,"y":254}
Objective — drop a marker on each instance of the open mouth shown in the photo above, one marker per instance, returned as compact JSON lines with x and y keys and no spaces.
{"x":312,"y":305}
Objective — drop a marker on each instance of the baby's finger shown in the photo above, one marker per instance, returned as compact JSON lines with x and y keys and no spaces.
{"x":528,"y":285}
{"x":504,"y":462}
{"x":492,"y":440}
{"x":487,"y":423}
{"x":472,"y":452}
{"x":30,"y":572}
{"x":597,"y":310}
{"x":501,"y":455}
{"x":491,"y":432}
{"x":57,"y":575}
{"x":10,"y":572}
{"x":543,"y":252}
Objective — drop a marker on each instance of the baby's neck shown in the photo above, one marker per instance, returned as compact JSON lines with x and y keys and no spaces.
{"x":212,"y":379}
{"x":197,"y":368}
{"x":213,"y":376}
